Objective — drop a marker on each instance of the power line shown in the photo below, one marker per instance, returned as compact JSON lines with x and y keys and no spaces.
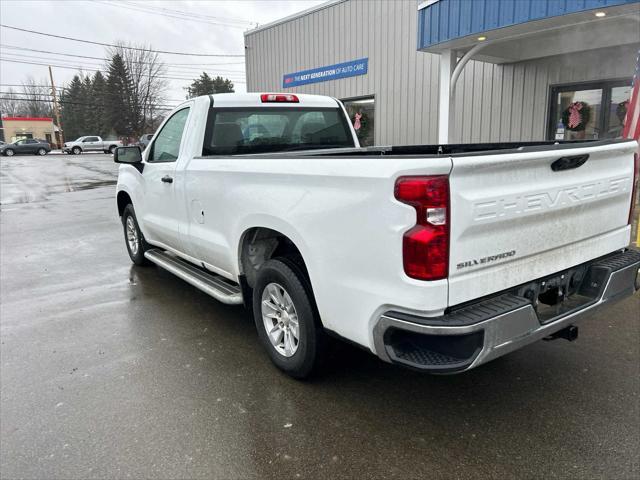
{"x":80,"y":68}
{"x":161,"y":106}
{"x":120,"y":46}
{"x":182,"y":12}
{"x":27,"y":94}
{"x":96,"y":70}
{"x":140,"y":8}
{"x":26,"y":85}
{"x":43,"y":94}
{"x":84,"y":63}
{"x":14,"y":47}
{"x":32,"y":94}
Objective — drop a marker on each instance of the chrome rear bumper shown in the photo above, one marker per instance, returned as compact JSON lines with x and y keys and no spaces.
{"x":485,"y":330}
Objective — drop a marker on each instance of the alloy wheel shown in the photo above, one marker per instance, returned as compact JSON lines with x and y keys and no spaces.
{"x":132,"y":235}
{"x":280,"y":319}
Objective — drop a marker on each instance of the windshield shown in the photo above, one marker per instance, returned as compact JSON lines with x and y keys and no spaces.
{"x":79,"y":139}
{"x":260,"y":130}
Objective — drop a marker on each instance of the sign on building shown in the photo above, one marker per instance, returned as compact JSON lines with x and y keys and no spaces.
{"x":324,"y":74}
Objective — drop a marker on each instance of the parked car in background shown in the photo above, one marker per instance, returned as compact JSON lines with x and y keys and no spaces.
{"x":145,"y":139}
{"x":91,"y":144}
{"x":28,"y":146}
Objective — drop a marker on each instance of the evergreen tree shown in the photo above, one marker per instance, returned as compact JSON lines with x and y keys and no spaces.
{"x":118,"y":101}
{"x":88,"y":100}
{"x":99,"y":119}
{"x":206,"y":85}
{"x":72,"y":110}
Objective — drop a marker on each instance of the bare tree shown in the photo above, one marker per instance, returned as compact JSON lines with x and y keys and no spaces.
{"x":149,"y":88}
{"x":10,"y":104}
{"x":37,"y":98}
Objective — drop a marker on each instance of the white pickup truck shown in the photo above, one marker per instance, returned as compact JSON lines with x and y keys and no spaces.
{"x":91,"y":144}
{"x":436,"y":257}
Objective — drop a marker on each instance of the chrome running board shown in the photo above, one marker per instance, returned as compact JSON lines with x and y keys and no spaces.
{"x":219,"y":288}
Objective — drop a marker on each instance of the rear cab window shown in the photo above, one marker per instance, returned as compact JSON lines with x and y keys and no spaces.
{"x":249,"y":130}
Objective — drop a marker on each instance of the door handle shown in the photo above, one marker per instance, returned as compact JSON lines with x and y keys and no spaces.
{"x":167,"y":179}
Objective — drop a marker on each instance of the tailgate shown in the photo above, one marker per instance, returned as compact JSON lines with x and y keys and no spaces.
{"x":515,"y":219}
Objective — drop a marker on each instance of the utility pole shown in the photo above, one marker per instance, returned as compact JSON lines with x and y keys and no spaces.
{"x":56,"y":108}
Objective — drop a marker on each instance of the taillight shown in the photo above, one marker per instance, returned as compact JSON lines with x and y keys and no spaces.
{"x":425,"y":248}
{"x":634,"y":187}
{"x":279,"y":98}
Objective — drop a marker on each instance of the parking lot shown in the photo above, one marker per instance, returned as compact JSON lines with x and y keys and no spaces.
{"x":111,"y":370}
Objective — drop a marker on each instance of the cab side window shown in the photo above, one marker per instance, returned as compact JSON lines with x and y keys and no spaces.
{"x":166,"y":147}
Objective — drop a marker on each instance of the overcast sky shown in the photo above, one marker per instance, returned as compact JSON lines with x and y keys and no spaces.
{"x":213,"y":27}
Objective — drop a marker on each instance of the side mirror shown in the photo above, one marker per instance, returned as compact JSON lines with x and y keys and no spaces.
{"x":130,"y":155}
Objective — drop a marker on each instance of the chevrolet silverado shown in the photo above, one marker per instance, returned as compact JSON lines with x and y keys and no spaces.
{"x":436,"y":257}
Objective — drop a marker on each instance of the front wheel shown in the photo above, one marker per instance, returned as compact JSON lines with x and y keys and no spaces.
{"x":76,"y":150}
{"x":286,"y":318}
{"x":9,"y":153}
{"x":136,"y":244}
{"x":42,"y":151}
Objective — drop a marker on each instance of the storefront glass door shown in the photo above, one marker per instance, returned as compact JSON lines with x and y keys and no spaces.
{"x":588,"y":111}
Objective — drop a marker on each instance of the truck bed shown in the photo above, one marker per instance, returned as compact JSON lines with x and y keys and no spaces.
{"x":518,"y":210}
{"x":444,"y":149}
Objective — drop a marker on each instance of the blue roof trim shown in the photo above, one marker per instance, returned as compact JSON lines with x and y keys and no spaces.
{"x":447,"y":20}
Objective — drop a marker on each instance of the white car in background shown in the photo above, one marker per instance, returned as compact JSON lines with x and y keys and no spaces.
{"x":91,"y":144}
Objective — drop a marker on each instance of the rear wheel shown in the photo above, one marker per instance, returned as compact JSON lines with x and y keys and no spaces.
{"x":112,"y":149}
{"x":76,"y":150}
{"x":42,"y":151}
{"x":286,"y":318}
{"x":136,"y":244}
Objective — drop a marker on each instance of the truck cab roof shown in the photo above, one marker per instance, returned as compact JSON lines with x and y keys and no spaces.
{"x":254,"y":99}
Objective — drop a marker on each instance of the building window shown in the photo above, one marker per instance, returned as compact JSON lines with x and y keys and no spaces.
{"x":588,"y":111}
{"x":362,"y":112}
{"x":21,"y":135}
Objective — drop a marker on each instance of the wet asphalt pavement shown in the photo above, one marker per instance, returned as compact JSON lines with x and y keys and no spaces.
{"x":114,"y":371}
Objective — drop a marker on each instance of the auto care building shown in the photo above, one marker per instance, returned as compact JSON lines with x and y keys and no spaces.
{"x":453,"y":71}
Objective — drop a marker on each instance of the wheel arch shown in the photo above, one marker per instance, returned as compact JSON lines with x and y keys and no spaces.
{"x":123,"y":200}
{"x":258,"y":244}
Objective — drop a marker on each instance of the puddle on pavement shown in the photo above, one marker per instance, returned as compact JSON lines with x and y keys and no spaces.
{"x":89,"y":185}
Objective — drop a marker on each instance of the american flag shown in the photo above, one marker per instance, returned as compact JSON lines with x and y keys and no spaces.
{"x":632,"y":119}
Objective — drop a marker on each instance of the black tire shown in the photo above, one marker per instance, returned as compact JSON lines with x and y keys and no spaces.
{"x":136,"y":256}
{"x":111,"y":150}
{"x":76,"y":150}
{"x":42,"y":151}
{"x":9,"y":152}
{"x":311,"y":337}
